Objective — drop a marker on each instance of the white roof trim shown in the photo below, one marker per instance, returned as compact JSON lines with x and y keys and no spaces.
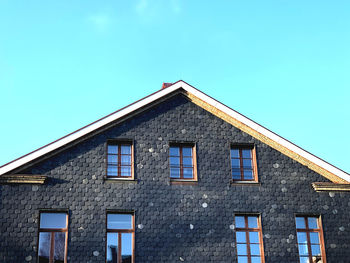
{"x":155,"y":96}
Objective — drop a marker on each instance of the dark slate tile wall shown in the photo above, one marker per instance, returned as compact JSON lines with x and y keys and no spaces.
{"x":174,"y":223}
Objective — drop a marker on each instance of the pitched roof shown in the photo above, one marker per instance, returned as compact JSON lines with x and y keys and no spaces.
{"x":208,"y":103}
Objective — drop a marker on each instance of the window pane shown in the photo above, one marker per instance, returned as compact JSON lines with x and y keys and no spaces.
{"x":300,"y":222}
{"x":316,"y":250}
{"x":113,"y":149}
{"x":113,"y":159}
{"x":254,"y":237}
{"x":304,"y":260}
{"x":236,"y":174}
{"x":248,"y":174}
{"x":255,"y":249}
{"x":126,"y":160}
{"x":53,"y":220}
{"x":187,"y":151}
{"x":246,"y":153}
{"x":125,"y":171}
{"x":235,"y":163}
{"x":175,"y":172}
{"x":175,"y":161}
{"x":302,"y":239}
{"x":112,"y":170}
{"x":44,"y":247}
{"x":247,"y":163}
{"x":313,"y":222}
{"x":242,"y":249}
{"x":188,"y":173}
{"x":240,"y":222}
{"x":126,"y":247}
{"x":240,"y":237}
{"x":119,"y":221}
{"x":256,"y":260}
{"x":60,"y":243}
{"x":125,"y":149}
{"x":112,"y":247}
{"x":187,"y":161}
{"x":242,"y":259}
{"x":234,"y":153}
{"x":174,"y":151}
{"x":303,"y":250}
{"x":252,"y":222}
{"x":314,"y":238}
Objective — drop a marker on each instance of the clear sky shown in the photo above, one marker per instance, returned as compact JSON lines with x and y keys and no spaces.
{"x":283,"y":63}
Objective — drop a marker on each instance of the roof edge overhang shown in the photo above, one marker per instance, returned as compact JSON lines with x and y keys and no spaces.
{"x":238,"y":120}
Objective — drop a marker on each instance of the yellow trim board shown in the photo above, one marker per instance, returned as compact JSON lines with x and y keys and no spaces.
{"x":330,"y":176}
{"x":324,"y":186}
{"x":22,"y":179}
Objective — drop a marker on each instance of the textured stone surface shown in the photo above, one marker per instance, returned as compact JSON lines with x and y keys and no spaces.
{"x":174,"y":223}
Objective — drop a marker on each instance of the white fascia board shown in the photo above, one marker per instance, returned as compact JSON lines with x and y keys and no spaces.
{"x":155,"y":96}
{"x":90,"y":128}
{"x":267,"y":133}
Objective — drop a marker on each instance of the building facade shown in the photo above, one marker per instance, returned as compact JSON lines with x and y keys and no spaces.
{"x":172,"y":181}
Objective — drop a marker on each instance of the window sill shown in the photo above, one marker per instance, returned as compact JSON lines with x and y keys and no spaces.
{"x":244,"y":183}
{"x":183,"y":182}
{"x":120,"y":180}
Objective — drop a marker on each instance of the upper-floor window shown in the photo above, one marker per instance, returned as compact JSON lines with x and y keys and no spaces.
{"x":243,"y":163}
{"x":120,"y":238}
{"x":310,"y":239}
{"x":182,"y":162}
{"x":120,"y":159}
{"x":249,"y":239}
{"x":53,"y":231}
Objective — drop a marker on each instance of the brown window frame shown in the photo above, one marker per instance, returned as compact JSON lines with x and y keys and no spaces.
{"x":253,"y":159}
{"x":246,"y":229}
{"x":308,"y":230}
{"x":182,"y":145}
{"x":120,"y":143}
{"x":52,"y":238}
{"x":120,"y":231}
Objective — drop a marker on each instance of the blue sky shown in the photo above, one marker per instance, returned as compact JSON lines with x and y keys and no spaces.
{"x":284,"y":64}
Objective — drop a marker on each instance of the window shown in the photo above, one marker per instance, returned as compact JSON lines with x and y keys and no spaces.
{"x":310,"y":239}
{"x":182,"y":162}
{"x":249,"y":239}
{"x":53,"y":231}
{"x":120,"y":238}
{"x":119,"y":160}
{"x":243,"y":164}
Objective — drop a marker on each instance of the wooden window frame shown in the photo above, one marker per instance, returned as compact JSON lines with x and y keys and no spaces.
{"x":119,"y":143}
{"x":252,"y":149}
{"x":53,"y":231}
{"x":120,"y":231}
{"x":194,"y":161}
{"x":246,"y":229}
{"x":308,"y":230}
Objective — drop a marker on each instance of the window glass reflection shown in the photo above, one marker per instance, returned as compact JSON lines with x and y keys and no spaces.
{"x":240,"y":222}
{"x":119,"y":221}
{"x":44,"y":247}
{"x":313,"y":222}
{"x":241,"y":249}
{"x":53,"y":220}
{"x":240,"y":237}
{"x":300,"y":222}
{"x":112,"y":247}
{"x":174,"y":151}
{"x":254,"y":237}
{"x":252,"y":222}
{"x":126,"y":247}
{"x":60,"y":240}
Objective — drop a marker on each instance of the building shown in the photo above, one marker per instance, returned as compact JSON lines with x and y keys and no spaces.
{"x":174,"y":177}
